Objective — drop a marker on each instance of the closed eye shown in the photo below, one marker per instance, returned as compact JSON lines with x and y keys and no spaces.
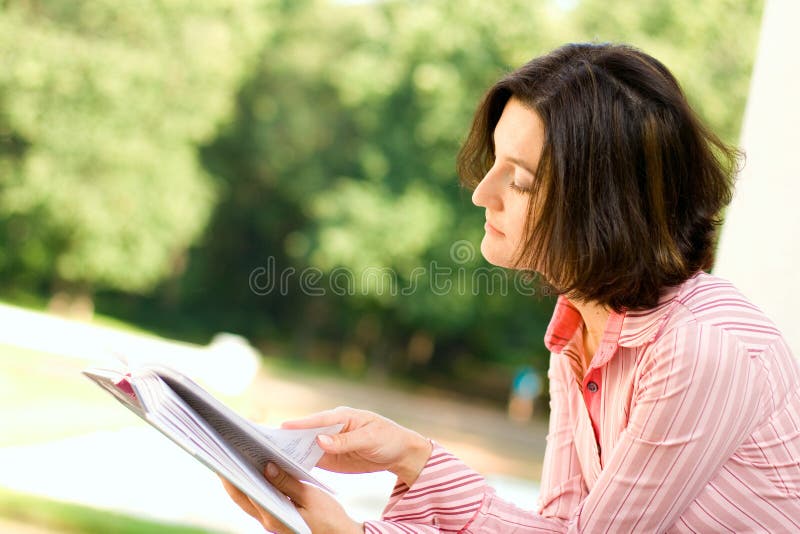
{"x":519,"y":189}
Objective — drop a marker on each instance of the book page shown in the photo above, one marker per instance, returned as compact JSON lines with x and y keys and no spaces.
{"x":295,"y":456}
{"x":300,"y":445}
{"x":116,"y":383}
{"x":145,"y":393}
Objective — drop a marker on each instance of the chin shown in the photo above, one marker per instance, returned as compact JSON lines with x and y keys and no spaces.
{"x":494,"y":254}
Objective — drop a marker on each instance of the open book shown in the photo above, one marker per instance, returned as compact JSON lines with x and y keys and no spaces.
{"x":221,"y":439}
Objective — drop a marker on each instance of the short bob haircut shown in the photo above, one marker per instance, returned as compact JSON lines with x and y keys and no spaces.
{"x":630,"y":184}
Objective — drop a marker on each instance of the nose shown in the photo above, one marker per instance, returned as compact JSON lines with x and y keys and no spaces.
{"x":487,"y":194}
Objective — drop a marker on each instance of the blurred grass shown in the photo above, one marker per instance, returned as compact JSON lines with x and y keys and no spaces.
{"x":70,"y":518}
{"x":37,"y":303}
{"x":44,"y":397}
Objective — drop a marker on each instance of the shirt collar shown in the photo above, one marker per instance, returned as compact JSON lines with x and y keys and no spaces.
{"x":629,"y":328}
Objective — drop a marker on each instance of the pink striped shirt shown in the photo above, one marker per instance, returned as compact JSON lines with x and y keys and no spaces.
{"x":687,"y":420}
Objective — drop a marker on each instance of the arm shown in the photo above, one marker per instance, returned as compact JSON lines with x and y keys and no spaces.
{"x":450,"y":496}
{"x":687,"y":418}
{"x":435,"y":491}
{"x":320,"y":511}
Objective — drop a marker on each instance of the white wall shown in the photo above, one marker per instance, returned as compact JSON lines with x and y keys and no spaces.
{"x":760,"y":244}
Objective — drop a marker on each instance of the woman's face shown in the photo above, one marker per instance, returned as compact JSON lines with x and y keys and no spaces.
{"x":505,"y":190}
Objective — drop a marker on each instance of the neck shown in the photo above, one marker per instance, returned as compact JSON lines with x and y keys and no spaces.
{"x":594,"y":317}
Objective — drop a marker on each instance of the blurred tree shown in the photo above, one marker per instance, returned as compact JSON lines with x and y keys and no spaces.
{"x":709,"y":46}
{"x":332,"y":168}
{"x":341,"y":158}
{"x":109,"y":103}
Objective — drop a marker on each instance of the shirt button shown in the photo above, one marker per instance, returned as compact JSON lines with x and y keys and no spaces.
{"x":592,"y":387}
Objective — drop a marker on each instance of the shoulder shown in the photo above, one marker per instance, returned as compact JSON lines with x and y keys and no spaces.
{"x":705,"y":304}
{"x":713,"y":340}
{"x":712,"y":331}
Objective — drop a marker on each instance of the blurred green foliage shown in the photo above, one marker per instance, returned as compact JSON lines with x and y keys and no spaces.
{"x":108,"y":103}
{"x":160,"y":156}
{"x":35,"y":514}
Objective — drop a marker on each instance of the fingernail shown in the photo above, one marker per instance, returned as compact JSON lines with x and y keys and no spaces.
{"x":272,"y":470}
{"x":327,"y":441}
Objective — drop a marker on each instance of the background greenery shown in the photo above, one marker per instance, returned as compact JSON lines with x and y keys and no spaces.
{"x":63,"y":518}
{"x":152,"y":155}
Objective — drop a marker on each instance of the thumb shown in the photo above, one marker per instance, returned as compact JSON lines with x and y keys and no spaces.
{"x":312,"y":421}
{"x":335,"y":444}
{"x":326,"y":418}
{"x":345,"y":442}
{"x":292,"y":488}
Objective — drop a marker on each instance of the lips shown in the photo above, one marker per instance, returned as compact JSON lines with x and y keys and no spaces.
{"x":492,"y":229}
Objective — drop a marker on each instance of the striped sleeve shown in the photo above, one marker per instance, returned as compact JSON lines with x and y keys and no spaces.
{"x":696,"y":399}
{"x":562,"y":488}
{"x":449,"y":497}
{"x":444,"y":498}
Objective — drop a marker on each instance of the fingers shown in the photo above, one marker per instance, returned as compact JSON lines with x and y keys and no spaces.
{"x":357,"y":440}
{"x":338,"y":415}
{"x":292,"y":488}
{"x":241,"y":500}
{"x":269,"y":523}
{"x":253,"y":509}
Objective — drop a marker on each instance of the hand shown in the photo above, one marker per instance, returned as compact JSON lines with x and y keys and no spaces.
{"x":320,"y":511}
{"x":368,"y":443}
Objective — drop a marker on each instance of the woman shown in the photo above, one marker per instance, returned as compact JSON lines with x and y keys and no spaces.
{"x":675,"y":403}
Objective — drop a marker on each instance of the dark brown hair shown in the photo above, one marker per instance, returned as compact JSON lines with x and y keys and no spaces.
{"x":630,"y":184}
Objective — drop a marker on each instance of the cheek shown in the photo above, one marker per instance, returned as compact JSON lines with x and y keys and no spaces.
{"x":501,"y":251}
{"x":515,"y":228}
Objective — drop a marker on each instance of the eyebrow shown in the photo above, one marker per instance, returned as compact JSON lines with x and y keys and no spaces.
{"x":518,"y":162}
